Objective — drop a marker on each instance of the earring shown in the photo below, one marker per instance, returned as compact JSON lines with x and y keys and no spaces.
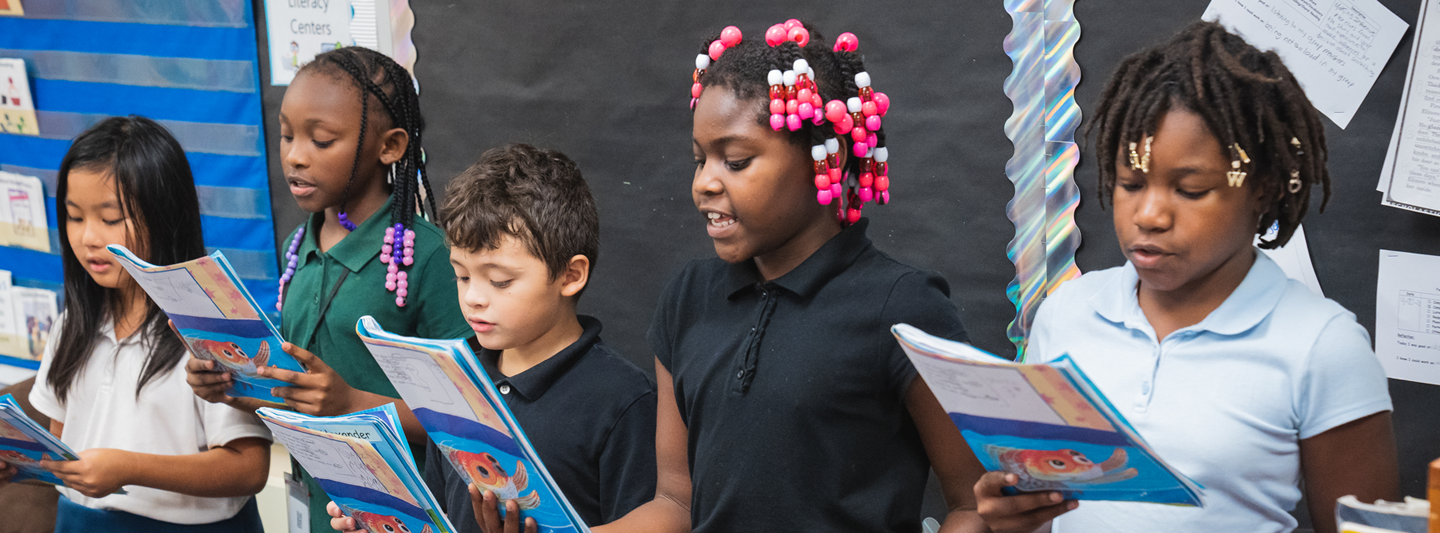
{"x":1235,"y":176}
{"x":1295,"y":182}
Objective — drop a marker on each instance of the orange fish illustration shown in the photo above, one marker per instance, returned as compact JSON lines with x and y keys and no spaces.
{"x":483,"y":469}
{"x":1051,"y":469}
{"x":375,"y":523}
{"x":19,"y":459}
{"x":230,"y":355}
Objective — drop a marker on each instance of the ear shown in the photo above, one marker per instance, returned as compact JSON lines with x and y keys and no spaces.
{"x":393,"y":144}
{"x":844,"y":153}
{"x":575,"y":276}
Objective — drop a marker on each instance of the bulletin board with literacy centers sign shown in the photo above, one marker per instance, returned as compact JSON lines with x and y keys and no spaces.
{"x":191,"y":66}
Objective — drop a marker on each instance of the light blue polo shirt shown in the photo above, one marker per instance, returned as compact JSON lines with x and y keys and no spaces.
{"x":1226,"y":401}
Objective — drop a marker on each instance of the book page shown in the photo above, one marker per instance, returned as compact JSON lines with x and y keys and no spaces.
{"x":988,"y":391}
{"x":332,"y":459}
{"x":177,"y":291}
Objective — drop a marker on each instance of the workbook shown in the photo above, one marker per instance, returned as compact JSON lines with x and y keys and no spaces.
{"x":363,"y":463}
{"x":1045,"y":423}
{"x":218,"y":318}
{"x":448,"y":390}
{"x":24,"y":443}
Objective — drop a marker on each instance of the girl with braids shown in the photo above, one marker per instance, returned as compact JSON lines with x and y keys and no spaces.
{"x":1242,"y":379}
{"x":110,"y":378}
{"x":784,"y":403}
{"x":350,"y":138}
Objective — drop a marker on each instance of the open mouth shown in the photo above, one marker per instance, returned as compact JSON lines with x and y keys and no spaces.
{"x":719,"y":220}
{"x":299,"y":187}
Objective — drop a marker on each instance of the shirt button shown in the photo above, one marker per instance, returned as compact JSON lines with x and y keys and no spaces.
{"x":740,"y":374}
{"x":504,"y":389}
{"x":1145,"y":388}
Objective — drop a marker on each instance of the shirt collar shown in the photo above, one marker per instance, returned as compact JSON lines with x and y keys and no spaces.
{"x":829,"y":261}
{"x":1252,"y":301}
{"x":533,"y":383}
{"x":357,"y":248}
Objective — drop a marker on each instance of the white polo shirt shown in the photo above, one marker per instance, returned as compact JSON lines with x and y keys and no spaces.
{"x":102,"y":411}
{"x":1226,"y":401}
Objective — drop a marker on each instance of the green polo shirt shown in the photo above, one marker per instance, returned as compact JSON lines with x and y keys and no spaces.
{"x":431,"y":310}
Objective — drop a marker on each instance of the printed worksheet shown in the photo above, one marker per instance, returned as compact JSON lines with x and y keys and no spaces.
{"x":17,"y":110}
{"x":1407,"y":316}
{"x":22,"y":221}
{"x":1410,"y":178}
{"x":1336,"y":48}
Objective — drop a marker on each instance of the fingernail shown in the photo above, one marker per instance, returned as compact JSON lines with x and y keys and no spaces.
{"x":1072,"y":505}
{"x":1010,"y":478}
{"x":1055,"y":497}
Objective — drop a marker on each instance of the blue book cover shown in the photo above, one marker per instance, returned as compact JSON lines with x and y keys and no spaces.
{"x":218,"y":318}
{"x":445,"y":386}
{"x":1045,"y":423}
{"x":24,"y":443}
{"x":362,"y":462}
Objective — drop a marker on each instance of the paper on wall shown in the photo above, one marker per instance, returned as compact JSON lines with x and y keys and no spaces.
{"x":1410,"y":179}
{"x":22,"y":212}
{"x":9,"y":328}
{"x":17,"y":110}
{"x":299,"y":30}
{"x":1335,"y":48}
{"x":1407,"y":316}
{"x":1294,"y":258}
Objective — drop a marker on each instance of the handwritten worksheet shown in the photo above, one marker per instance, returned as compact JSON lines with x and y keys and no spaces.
{"x":1410,"y":178}
{"x":1407,"y":316}
{"x":1335,"y":48}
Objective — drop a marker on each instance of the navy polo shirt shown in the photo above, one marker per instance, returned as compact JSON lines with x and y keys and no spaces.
{"x":590,"y":415}
{"x":793,"y":390}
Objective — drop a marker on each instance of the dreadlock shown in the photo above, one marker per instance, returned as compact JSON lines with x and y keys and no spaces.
{"x":744,"y":69}
{"x":1247,"y":98}
{"x":376,"y":75}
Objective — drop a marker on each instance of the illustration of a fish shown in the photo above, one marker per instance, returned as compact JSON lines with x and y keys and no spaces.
{"x":230,"y":355}
{"x":485,"y":471}
{"x":375,"y":523}
{"x":1055,"y":469}
{"x":19,"y":459}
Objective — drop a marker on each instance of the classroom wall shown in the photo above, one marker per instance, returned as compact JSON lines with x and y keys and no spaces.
{"x":608,"y":85}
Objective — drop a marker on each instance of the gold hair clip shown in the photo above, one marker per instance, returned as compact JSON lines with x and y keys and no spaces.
{"x":1134,"y":157}
{"x":1295,"y":182}
{"x":1141,"y":162}
{"x":1236,"y":176}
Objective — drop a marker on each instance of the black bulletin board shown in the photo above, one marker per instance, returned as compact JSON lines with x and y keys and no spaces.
{"x":607,"y":83}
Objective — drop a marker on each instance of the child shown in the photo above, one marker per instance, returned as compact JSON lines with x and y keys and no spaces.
{"x":109,"y":378}
{"x":785,"y":404}
{"x":350,"y":128}
{"x":1243,"y":380}
{"x":525,"y":235}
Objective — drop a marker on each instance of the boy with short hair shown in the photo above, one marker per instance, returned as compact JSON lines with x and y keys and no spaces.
{"x":524,"y":236}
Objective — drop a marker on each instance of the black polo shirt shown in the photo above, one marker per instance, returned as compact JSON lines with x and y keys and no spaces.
{"x":590,"y":415}
{"x":793,"y":390}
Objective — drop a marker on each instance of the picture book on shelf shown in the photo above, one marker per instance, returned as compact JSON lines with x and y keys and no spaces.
{"x":446,"y":387}
{"x":218,"y":318}
{"x":1045,"y":423}
{"x":24,"y":443}
{"x":363,"y":462}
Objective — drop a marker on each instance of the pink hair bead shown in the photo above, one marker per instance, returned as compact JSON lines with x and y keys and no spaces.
{"x":777,"y":107}
{"x":392,"y":269}
{"x":872,"y":122}
{"x":389,"y":236}
{"x":716,"y":48}
{"x":409,"y":261}
{"x":409,"y":234}
{"x":695,"y":90}
{"x":692,"y":102}
{"x":389,"y":285}
{"x":822,"y":182}
{"x":793,"y":122}
{"x":884,"y":197}
{"x":792,"y":107}
{"x":844,"y":125}
{"x":402,"y":293}
{"x":777,"y":122}
{"x":816,"y":100}
{"x":847,"y":42}
{"x":730,"y":36}
{"x":776,"y":35}
{"x":818,"y":118}
{"x":860,"y":149}
{"x":869,"y":109}
{"x":882,"y":102}
{"x":823,"y":196}
{"x":804,"y":95}
{"x":834,"y":110}
{"x":882,"y":183}
{"x":834,"y":174}
{"x":866,"y":194}
{"x":835,"y":190}
{"x":867,"y":179}
{"x":871,"y":140}
{"x":400,"y":301}
{"x":852,"y":215}
{"x":792,"y":23}
{"x":402,"y":276}
{"x":805,"y":110}
{"x":859,"y":135}
{"x":385,"y":258}
{"x":409,"y":252}
{"x":800,"y":35}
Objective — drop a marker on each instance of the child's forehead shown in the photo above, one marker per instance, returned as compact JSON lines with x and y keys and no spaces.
{"x":506,"y":251}
{"x":330,"y":98}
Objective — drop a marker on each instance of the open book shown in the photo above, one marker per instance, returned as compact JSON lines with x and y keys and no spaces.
{"x":217,"y":316}
{"x":1045,"y":423}
{"x":446,"y":387}
{"x":24,"y":443}
{"x":362,"y":461}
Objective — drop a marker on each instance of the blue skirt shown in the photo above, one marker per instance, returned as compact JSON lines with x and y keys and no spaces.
{"x":76,"y":518}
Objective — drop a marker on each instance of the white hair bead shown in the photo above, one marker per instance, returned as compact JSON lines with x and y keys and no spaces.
{"x":775,"y":77}
{"x":802,"y":66}
{"x":702,"y":61}
{"x":817,"y":152}
{"x":882,"y":154}
{"x":832,"y":145}
{"x":853,"y":104}
{"x":862,"y":80}
{"x":789,"y":77}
